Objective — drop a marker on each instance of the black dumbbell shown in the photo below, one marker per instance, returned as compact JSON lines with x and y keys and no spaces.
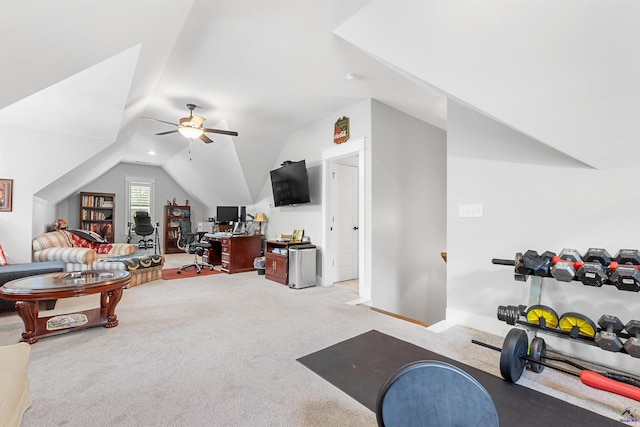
{"x":532,"y":264}
{"x":624,"y":277}
{"x":529,"y":264}
{"x":594,"y":270}
{"x":622,"y":273}
{"x":628,"y":256}
{"x":632,"y":345}
{"x":597,"y":255}
{"x":566,"y":264}
{"x":607,"y":338}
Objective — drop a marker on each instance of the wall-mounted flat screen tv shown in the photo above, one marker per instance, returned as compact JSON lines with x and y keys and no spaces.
{"x":290,"y":184}
{"x":226,"y":214}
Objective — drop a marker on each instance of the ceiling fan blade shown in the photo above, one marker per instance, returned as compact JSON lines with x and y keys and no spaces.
{"x":167,"y":132}
{"x":223,"y":132}
{"x":157,"y":120}
{"x":206,"y":139}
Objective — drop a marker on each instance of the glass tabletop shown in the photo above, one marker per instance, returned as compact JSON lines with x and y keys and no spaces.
{"x":63,"y":281}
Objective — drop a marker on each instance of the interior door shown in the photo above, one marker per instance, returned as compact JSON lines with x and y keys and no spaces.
{"x":344,"y":221}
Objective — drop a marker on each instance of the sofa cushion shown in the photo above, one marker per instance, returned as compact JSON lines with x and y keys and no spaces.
{"x":15,"y":394}
{"x":80,"y":242}
{"x":52,"y":239}
{"x":129,"y":262}
{"x":18,"y":271}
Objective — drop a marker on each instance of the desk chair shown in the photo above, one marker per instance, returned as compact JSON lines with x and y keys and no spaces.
{"x":143,"y":228}
{"x":433,"y":393}
{"x":189,"y":242}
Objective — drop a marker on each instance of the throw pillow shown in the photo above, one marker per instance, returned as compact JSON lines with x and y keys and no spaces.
{"x":81,"y":242}
{"x":3,"y":257}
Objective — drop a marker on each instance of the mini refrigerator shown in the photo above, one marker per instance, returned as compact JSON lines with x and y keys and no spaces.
{"x":302,"y":266}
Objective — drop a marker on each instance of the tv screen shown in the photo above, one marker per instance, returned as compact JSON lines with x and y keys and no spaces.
{"x":226,"y":213}
{"x":290,"y":184}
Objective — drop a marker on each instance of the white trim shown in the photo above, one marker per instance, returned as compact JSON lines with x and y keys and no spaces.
{"x":128,"y":180}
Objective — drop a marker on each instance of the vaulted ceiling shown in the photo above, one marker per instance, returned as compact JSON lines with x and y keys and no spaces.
{"x":561,"y":73}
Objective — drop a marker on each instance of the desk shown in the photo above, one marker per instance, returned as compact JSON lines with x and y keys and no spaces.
{"x":235,"y":254}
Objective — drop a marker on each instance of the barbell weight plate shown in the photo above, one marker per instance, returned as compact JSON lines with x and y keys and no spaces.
{"x":514,"y":348}
{"x":537,"y":351}
{"x":585,"y":326}
{"x":537,"y":312}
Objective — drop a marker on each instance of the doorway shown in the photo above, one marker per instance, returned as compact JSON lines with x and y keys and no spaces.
{"x":343,"y":218}
{"x":344,"y":215}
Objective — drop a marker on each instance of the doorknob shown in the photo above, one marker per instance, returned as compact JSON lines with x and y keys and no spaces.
{"x":355,"y":227}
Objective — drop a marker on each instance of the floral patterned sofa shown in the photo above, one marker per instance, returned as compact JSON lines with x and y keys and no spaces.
{"x":78,"y":249}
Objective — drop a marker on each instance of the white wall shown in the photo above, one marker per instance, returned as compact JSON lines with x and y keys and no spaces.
{"x":533,"y":198}
{"x":34,"y":159}
{"x":406,"y":185}
{"x":113,"y":181}
{"x":308,"y":143}
{"x":408,"y":162}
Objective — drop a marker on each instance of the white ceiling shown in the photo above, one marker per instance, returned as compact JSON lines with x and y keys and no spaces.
{"x":563,"y":74}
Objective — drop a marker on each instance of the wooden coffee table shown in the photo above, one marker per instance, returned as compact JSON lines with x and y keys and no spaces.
{"x":29,"y":290}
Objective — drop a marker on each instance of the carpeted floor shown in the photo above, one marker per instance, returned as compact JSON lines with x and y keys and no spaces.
{"x":222,"y":350}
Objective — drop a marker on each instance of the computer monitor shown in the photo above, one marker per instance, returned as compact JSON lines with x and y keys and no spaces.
{"x":226,"y":214}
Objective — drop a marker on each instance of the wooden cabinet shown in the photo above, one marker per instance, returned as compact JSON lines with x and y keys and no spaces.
{"x":235,"y":254}
{"x":172,"y":216}
{"x":97,"y":213}
{"x":277,"y":261}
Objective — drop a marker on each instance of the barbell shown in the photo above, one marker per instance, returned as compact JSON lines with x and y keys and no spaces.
{"x":516,"y":355}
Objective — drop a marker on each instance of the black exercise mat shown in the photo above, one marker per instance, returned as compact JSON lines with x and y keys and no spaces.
{"x":360,"y":366}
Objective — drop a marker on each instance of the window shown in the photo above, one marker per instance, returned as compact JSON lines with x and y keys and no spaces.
{"x":139,"y":196}
{"x":140,"y":199}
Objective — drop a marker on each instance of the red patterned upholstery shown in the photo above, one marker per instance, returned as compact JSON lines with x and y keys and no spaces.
{"x":100,"y":248}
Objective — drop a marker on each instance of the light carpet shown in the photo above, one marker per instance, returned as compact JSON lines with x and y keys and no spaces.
{"x":221,"y":350}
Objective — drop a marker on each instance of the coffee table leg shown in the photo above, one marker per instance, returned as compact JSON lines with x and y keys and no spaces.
{"x":108,"y":302}
{"x":28,"y":312}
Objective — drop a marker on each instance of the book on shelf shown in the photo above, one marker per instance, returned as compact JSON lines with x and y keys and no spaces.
{"x":97,"y":201}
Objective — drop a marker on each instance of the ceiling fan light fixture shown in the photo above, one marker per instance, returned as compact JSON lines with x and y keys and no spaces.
{"x":190,"y":132}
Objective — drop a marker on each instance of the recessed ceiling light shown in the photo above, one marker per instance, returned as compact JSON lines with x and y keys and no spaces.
{"x":152,"y":153}
{"x":350,"y":76}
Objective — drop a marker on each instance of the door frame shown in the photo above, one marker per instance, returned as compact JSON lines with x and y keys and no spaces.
{"x":355,"y":147}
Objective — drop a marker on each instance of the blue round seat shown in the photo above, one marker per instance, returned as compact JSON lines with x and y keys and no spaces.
{"x":433,"y":393}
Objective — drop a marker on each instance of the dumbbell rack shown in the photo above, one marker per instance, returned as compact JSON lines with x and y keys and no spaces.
{"x":534,"y":299}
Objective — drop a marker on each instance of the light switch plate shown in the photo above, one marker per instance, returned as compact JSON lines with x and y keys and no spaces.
{"x":470,"y":211}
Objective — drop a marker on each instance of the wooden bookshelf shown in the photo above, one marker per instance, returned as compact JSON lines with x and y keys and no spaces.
{"x":172,"y":216}
{"x":97,"y":213}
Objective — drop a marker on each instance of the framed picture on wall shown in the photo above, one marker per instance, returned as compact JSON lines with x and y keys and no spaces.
{"x":6,"y":195}
{"x":297,"y":235}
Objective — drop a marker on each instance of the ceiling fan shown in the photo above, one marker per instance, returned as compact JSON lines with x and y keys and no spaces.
{"x":191,"y":127}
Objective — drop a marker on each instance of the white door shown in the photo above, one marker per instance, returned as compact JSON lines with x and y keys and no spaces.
{"x":344,"y":220}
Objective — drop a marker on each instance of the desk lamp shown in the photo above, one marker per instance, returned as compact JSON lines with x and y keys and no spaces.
{"x":260,"y":218}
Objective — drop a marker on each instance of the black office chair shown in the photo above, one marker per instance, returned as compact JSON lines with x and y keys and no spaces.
{"x":143,"y":228}
{"x":190,"y":243}
{"x":433,"y":393}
